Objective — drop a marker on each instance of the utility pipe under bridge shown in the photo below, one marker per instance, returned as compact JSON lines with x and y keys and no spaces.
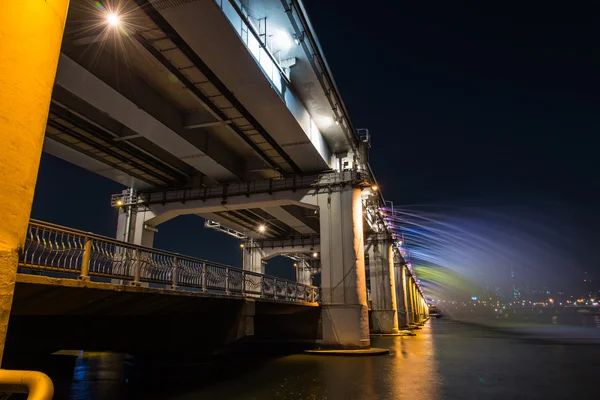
{"x":86,"y":291}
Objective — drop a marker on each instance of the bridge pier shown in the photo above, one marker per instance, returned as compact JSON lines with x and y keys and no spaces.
{"x":402,"y":295}
{"x":383,"y":287}
{"x":253,"y":259}
{"x":303,"y":273}
{"x":132,"y":226}
{"x":345,"y":317}
{"x":31,"y":34}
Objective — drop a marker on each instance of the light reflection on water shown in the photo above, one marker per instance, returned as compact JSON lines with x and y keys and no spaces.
{"x":445,"y":360}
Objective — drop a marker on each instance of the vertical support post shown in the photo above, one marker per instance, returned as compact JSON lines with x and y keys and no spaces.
{"x":243,"y":283}
{"x":31,"y":32}
{"x":227,"y":280}
{"x":383,"y":286}
{"x":175,"y":267}
{"x":137,"y":267}
{"x":85,"y":260}
{"x":204,"y":277}
{"x":345,"y":314}
{"x":262,"y":286}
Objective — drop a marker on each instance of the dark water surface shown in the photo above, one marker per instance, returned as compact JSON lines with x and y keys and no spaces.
{"x":446,"y":360}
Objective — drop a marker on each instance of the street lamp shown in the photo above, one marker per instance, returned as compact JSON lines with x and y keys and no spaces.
{"x":113,"y":19}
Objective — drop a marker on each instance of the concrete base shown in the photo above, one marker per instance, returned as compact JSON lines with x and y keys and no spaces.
{"x":345,"y":326}
{"x":412,"y":327}
{"x":349,"y":353}
{"x":399,"y":333}
{"x":384,"y":321}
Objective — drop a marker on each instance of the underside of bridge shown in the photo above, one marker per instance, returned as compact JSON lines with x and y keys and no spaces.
{"x":228,"y":110}
{"x":50,"y":314}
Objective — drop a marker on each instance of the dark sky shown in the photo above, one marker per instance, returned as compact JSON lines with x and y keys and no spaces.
{"x":467,"y":102}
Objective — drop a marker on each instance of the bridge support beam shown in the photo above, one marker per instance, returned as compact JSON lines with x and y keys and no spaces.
{"x":345,"y":316}
{"x":31,"y":32}
{"x":253,"y":259}
{"x":132,"y":226}
{"x":383,"y":286}
{"x":413,"y":301}
{"x":401,"y":295}
{"x":303,"y":273}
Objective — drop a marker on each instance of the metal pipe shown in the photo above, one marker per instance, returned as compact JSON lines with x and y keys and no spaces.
{"x":37,"y":384}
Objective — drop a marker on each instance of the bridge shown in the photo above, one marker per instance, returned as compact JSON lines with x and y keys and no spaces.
{"x":217,"y":108}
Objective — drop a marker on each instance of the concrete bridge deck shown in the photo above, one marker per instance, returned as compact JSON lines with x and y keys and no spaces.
{"x":77,"y":290}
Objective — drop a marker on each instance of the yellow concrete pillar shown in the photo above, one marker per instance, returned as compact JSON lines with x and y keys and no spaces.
{"x":30,"y":38}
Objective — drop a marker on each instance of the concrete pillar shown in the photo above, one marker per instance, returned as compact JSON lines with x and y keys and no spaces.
{"x":139,"y":233}
{"x":417,"y":318}
{"x":253,"y":259}
{"x":410,"y":299}
{"x":30,"y":38}
{"x":383,"y":287}
{"x":345,"y":316}
{"x":244,"y":324}
{"x":303,"y":273}
{"x":401,"y":295}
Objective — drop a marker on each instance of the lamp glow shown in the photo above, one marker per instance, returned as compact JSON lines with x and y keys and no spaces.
{"x":282,"y":40}
{"x":262,"y":228}
{"x":374,"y":188}
{"x":315,"y":255}
{"x":119,"y":203}
{"x":113,"y":19}
{"x":326,"y":121}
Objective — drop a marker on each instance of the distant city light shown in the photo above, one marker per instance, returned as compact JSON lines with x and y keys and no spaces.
{"x":113,"y":19}
{"x":474,"y":298}
{"x":282,"y":40}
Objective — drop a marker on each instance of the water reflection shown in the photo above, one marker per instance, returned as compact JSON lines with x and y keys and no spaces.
{"x":413,"y":371}
{"x":446,"y":360}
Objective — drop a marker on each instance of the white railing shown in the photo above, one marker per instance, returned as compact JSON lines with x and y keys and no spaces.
{"x":50,"y":247}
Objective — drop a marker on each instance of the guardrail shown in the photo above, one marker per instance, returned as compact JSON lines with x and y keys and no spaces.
{"x":51,"y":247}
{"x":316,"y":181}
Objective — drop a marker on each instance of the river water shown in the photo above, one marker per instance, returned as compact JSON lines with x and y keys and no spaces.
{"x":446,"y":360}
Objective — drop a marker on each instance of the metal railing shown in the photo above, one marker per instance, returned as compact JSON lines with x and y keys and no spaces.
{"x":270,"y":186}
{"x":50,"y":247}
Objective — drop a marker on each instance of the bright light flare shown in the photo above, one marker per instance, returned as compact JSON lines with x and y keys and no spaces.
{"x":113,"y":19}
{"x":315,"y":255}
{"x":262,"y":228}
{"x":282,"y":40}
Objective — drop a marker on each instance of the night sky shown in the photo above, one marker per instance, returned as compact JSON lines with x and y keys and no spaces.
{"x":469,"y":104}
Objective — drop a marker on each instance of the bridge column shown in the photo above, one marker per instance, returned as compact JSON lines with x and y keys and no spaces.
{"x":303,"y":273}
{"x":415,"y":301}
{"x":31,"y":32}
{"x":253,"y":259}
{"x":132,"y":226}
{"x":410,"y":305}
{"x":401,"y":295}
{"x":345,"y":317}
{"x":383,"y":286}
